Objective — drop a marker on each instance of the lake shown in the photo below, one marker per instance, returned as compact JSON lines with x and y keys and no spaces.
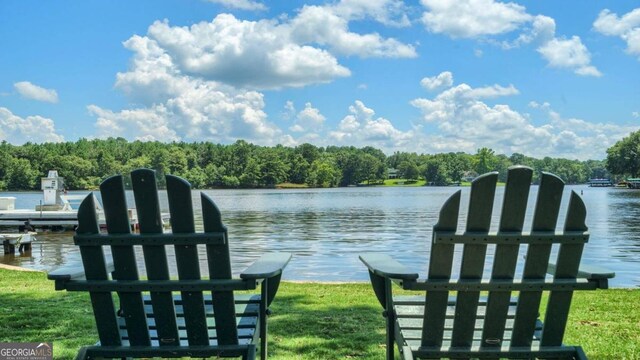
{"x":326,"y":229}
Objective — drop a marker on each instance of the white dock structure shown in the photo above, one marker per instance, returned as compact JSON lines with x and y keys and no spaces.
{"x":23,"y":241}
{"x":58,"y":210}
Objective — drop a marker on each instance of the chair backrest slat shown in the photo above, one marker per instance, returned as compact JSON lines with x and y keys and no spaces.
{"x":155,"y":256}
{"x":95,"y":269}
{"x":514,"y":207}
{"x":131,"y":303}
{"x":182,"y":221}
{"x":219,"y":262}
{"x":440,"y":268}
{"x":544,"y":219}
{"x":473,"y":258}
{"x":510,"y":315}
{"x":567,"y":265}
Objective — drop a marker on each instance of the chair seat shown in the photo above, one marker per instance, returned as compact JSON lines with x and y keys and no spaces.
{"x":247,"y":313}
{"x":410,"y":317}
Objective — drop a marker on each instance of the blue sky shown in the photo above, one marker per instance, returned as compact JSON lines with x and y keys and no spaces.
{"x":543,"y":78}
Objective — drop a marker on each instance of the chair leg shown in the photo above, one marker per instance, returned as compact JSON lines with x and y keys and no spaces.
{"x":580,"y":355}
{"x":391,"y":319}
{"x":390,"y":336}
{"x":263,"y":319}
{"x":82,"y":354}
{"x":250,"y":354}
{"x":406,"y":353}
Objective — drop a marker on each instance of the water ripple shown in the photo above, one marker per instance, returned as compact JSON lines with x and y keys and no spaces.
{"x":326,"y":229}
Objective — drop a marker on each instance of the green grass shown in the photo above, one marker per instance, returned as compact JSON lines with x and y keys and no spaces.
{"x":309,"y":321}
{"x":403,"y":182}
{"x":291,"y":186}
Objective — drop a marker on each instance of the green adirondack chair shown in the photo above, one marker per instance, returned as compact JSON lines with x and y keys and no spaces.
{"x":475,"y":315}
{"x":171,"y":312}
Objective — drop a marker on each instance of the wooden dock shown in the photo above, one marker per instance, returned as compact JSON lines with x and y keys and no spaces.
{"x":22,"y":240}
{"x":52,"y":219}
{"x":600,"y":182}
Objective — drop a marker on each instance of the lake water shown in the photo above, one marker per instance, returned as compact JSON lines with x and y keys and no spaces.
{"x":326,"y":229}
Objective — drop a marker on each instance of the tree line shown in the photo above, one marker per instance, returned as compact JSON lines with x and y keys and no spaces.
{"x":85,"y":163}
{"x":623,"y":158}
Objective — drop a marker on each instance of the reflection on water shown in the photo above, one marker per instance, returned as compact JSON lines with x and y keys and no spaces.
{"x":326,"y":229}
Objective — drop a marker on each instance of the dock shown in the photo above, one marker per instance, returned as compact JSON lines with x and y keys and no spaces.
{"x":23,"y":240}
{"x":55,"y":220}
{"x":58,"y":211}
{"x":633,"y":183}
{"x":600,"y":182}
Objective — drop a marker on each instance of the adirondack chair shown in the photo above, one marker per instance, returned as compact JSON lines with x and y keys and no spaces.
{"x":161,"y":315}
{"x":475,"y":315}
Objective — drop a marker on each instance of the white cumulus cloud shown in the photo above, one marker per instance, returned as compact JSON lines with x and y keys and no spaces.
{"x":541,"y":30}
{"x":181,"y":107}
{"x":276,"y":53}
{"x":35,"y":92}
{"x":490,"y":19}
{"x":256,"y":54}
{"x":387,"y":12}
{"x":17,"y":130}
{"x":459,"y":120}
{"x":240,"y":4}
{"x":328,"y":26}
{"x":361,"y":128}
{"x":203,"y":82}
{"x":309,"y":119}
{"x":472,"y":18}
{"x":444,"y":79}
{"x":626,"y":27}
{"x":569,"y":53}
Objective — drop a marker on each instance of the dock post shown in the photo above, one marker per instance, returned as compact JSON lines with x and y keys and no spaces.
{"x":9,"y":248}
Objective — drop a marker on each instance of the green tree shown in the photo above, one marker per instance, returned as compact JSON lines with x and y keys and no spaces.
{"x":299,"y":169}
{"x":408,"y":170}
{"x":323,"y":173}
{"x":623,"y":158}
{"x":370,"y":168}
{"x":309,"y":152}
{"x":251,"y":174}
{"x":484,"y":160}
{"x":436,"y":171}
{"x":21,"y":176}
{"x":273,"y":169}
{"x":197,"y":177}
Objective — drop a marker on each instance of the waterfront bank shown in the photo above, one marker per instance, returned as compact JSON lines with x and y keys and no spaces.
{"x":309,"y":321}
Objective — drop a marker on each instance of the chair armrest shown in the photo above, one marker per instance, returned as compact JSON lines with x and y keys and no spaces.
{"x":267,"y":266}
{"x":71,"y":272}
{"x":66,"y":273}
{"x":385,"y":266}
{"x":590,"y":272}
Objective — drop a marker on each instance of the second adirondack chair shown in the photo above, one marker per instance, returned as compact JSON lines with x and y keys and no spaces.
{"x":174,"y":311}
{"x":493,"y":313}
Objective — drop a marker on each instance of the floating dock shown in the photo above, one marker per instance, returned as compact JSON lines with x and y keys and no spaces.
{"x":600,"y":182}
{"x":53,"y":219}
{"x":23,"y":240}
{"x":633,"y":183}
{"x":58,"y":211}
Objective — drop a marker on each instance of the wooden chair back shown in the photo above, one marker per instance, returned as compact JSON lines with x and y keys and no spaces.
{"x":184,"y":319}
{"x":509,"y":305}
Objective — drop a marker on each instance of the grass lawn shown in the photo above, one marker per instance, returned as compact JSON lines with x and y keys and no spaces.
{"x":404,"y":182}
{"x":291,"y":186}
{"x":309,"y":321}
